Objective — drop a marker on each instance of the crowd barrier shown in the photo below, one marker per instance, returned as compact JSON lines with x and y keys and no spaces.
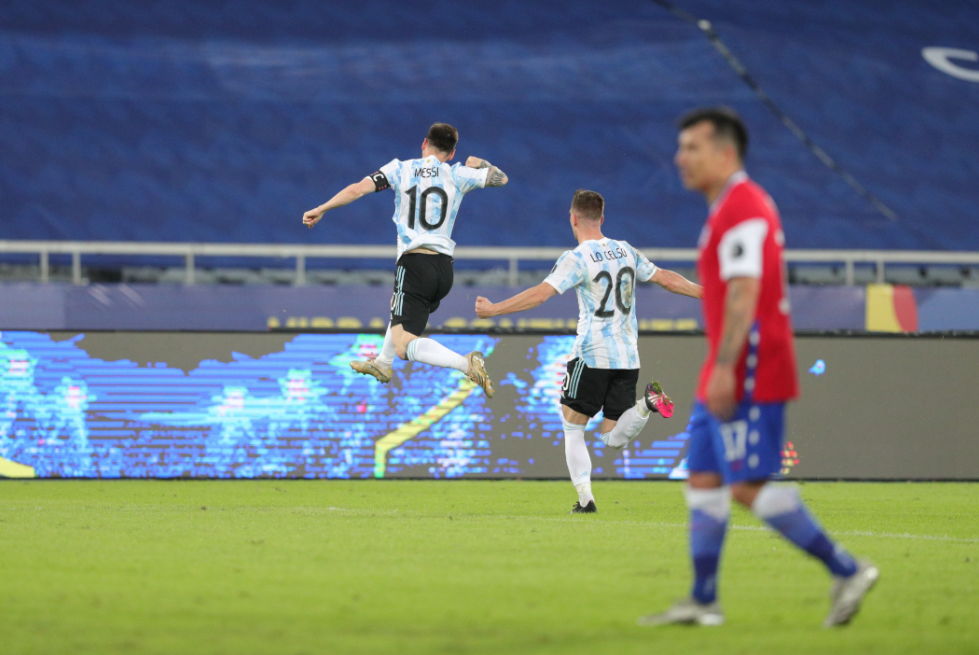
{"x":877,"y":307}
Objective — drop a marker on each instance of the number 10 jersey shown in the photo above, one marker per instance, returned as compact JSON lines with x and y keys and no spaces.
{"x":427,"y":195}
{"x":604,"y":274}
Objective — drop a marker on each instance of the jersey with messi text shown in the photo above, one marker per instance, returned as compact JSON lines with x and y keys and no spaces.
{"x":603,"y":273}
{"x":427,"y":195}
{"x":743,"y":238}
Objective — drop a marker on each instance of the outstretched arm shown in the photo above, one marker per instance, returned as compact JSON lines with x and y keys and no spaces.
{"x":523,"y":301}
{"x":345,"y":197}
{"x":495,"y":177}
{"x":676,"y":283}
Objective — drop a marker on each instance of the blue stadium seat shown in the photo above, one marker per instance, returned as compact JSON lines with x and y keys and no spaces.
{"x":206,"y":121}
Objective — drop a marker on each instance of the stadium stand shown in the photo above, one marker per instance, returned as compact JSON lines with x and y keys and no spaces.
{"x":166,"y":121}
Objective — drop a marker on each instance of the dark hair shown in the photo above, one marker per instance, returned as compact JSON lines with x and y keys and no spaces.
{"x":443,"y":137}
{"x":588,"y":204}
{"x":727,"y":125}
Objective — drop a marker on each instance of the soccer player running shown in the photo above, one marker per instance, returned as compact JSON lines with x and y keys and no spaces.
{"x":427,"y":195}
{"x":604,"y":366}
{"x":736,"y":426}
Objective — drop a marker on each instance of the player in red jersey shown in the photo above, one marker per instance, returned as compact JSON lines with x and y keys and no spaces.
{"x":749,"y":374}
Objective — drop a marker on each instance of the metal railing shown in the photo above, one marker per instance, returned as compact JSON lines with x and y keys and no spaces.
{"x":190,"y":252}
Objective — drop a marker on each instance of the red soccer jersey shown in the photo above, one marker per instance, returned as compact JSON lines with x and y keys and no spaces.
{"x":743,"y":238}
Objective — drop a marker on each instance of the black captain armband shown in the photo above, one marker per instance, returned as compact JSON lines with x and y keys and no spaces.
{"x":380,"y":181}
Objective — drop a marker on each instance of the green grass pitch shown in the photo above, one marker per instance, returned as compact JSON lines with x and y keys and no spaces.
{"x":459,"y":567}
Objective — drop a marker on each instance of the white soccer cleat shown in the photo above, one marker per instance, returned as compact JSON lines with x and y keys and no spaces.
{"x":371,"y":367}
{"x":686,"y":612}
{"x":847,"y":593}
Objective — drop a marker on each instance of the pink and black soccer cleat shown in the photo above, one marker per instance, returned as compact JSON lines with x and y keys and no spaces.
{"x":657,"y":401}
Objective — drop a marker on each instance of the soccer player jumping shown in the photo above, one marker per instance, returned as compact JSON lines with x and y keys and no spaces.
{"x":737,"y":423}
{"x":604,"y":366}
{"x":427,"y":195}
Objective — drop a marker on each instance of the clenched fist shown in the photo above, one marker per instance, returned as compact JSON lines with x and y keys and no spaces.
{"x":484,"y":308}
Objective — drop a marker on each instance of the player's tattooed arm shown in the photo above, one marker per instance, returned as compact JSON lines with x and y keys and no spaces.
{"x":495,"y":177}
{"x":523,"y":301}
{"x":676,"y":283}
{"x":476,"y":162}
{"x":345,"y":197}
{"x":740,"y":306}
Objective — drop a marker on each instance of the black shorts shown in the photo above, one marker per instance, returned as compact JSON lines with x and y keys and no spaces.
{"x":420,"y":283}
{"x":587,"y":390}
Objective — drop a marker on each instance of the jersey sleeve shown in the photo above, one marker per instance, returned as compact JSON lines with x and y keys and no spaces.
{"x":741,"y":247}
{"x":466,"y":179}
{"x":386,"y":176}
{"x":568,"y":272}
{"x":645,"y":269}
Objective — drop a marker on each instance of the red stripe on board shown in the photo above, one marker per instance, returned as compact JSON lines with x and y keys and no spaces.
{"x":906,"y":308}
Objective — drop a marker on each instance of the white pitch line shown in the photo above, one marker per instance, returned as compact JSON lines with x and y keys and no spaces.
{"x":844,"y":533}
{"x":659,"y":524}
{"x":867,"y":533}
{"x":765,"y":528}
{"x":907,"y":535}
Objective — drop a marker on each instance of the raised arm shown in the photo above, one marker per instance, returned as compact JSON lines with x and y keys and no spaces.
{"x":523,"y":301}
{"x":345,"y":197}
{"x":676,"y":283}
{"x":495,"y":177}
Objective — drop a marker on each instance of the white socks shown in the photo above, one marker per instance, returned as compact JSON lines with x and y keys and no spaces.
{"x":775,"y":500}
{"x":429,"y":351}
{"x":628,"y":427}
{"x":579,"y":462}
{"x":715,"y":503}
{"x":386,"y":357}
{"x":426,"y":351}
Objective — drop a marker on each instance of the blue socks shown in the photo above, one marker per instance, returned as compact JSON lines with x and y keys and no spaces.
{"x":709,"y":512}
{"x":781,"y":507}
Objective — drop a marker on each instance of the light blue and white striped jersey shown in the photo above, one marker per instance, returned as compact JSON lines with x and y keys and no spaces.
{"x":603,"y":273}
{"x":427,"y":195}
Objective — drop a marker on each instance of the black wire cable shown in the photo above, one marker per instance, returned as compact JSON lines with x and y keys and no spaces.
{"x":705,"y":26}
